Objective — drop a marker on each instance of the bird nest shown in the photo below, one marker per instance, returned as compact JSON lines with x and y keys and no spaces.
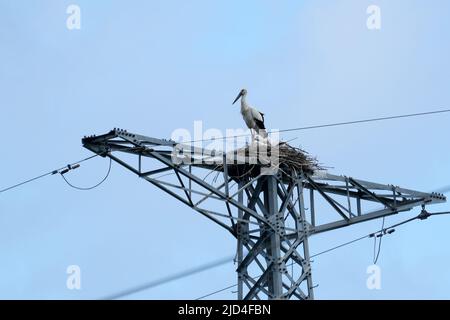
{"x":296,"y":160}
{"x":289,"y":160}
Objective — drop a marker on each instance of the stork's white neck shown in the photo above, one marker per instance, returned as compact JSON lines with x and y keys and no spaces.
{"x":244,"y":105}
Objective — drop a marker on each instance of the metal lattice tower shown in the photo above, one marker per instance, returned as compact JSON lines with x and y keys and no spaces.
{"x":272,"y":216}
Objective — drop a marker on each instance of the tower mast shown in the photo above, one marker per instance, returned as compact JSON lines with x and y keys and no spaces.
{"x":271,"y":216}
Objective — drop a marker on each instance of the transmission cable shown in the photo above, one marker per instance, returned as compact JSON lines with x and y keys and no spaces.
{"x":170,"y":278}
{"x":74,"y":164}
{"x":332,"y":124}
{"x":216,"y":292}
{"x":387,"y":230}
{"x":244,"y":135}
{"x":225,"y":260}
{"x":338,"y":246}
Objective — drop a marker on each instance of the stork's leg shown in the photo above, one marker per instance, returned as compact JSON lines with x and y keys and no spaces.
{"x":253,"y":134}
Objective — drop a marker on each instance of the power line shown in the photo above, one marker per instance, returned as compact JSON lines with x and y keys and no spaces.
{"x":47,"y":174}
{"x":333,"y":124}
{"x":369,"y":120}
{"x":228,"y":259}
{"x":216,"y":292}
{"x":93,"y":187}
{"x":314,"y":255}
{"x":245,"y":135}
{"x":439,"y":213}
{"x":339,"y":246}
{"x":382,"y":231}
{"x":25,"y":182}
{"x":170,"y":278}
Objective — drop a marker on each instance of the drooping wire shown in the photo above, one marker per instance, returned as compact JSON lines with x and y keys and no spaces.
{"x":374,"y":247}
{"x":330,"y":125}
{"x":375,"y":257}
{"x":46,"y":174}
{"x":92,"y":187}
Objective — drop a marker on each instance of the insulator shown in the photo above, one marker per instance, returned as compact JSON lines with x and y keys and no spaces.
{"x":70,"y":167}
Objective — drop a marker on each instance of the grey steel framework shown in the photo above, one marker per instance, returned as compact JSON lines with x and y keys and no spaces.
{"x":271,"y":216}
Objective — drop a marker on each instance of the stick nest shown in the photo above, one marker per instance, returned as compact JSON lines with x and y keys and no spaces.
{"x":291,"y":161}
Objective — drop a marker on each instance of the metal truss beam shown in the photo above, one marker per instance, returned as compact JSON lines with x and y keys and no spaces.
{"x":271,"y":216}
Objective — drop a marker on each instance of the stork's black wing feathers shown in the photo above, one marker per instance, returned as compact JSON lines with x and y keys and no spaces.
{"x":262,"y":115}
{"x":260,"y":123}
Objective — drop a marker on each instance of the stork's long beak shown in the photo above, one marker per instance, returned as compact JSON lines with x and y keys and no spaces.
{"x":237,"y":98}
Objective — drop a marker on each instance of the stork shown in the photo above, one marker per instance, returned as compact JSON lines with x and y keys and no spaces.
{"x":252,"y":117}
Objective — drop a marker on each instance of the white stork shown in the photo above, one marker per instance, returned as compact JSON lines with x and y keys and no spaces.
{"x":252,"y":117}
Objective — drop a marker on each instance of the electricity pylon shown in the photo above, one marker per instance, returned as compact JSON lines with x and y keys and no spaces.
{"x":272,"y":216}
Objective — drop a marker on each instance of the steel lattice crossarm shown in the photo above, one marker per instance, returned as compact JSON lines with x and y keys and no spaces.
{"x":271,"y":216}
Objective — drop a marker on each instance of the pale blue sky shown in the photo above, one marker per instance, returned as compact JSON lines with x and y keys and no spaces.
{"x":154,"y":66}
